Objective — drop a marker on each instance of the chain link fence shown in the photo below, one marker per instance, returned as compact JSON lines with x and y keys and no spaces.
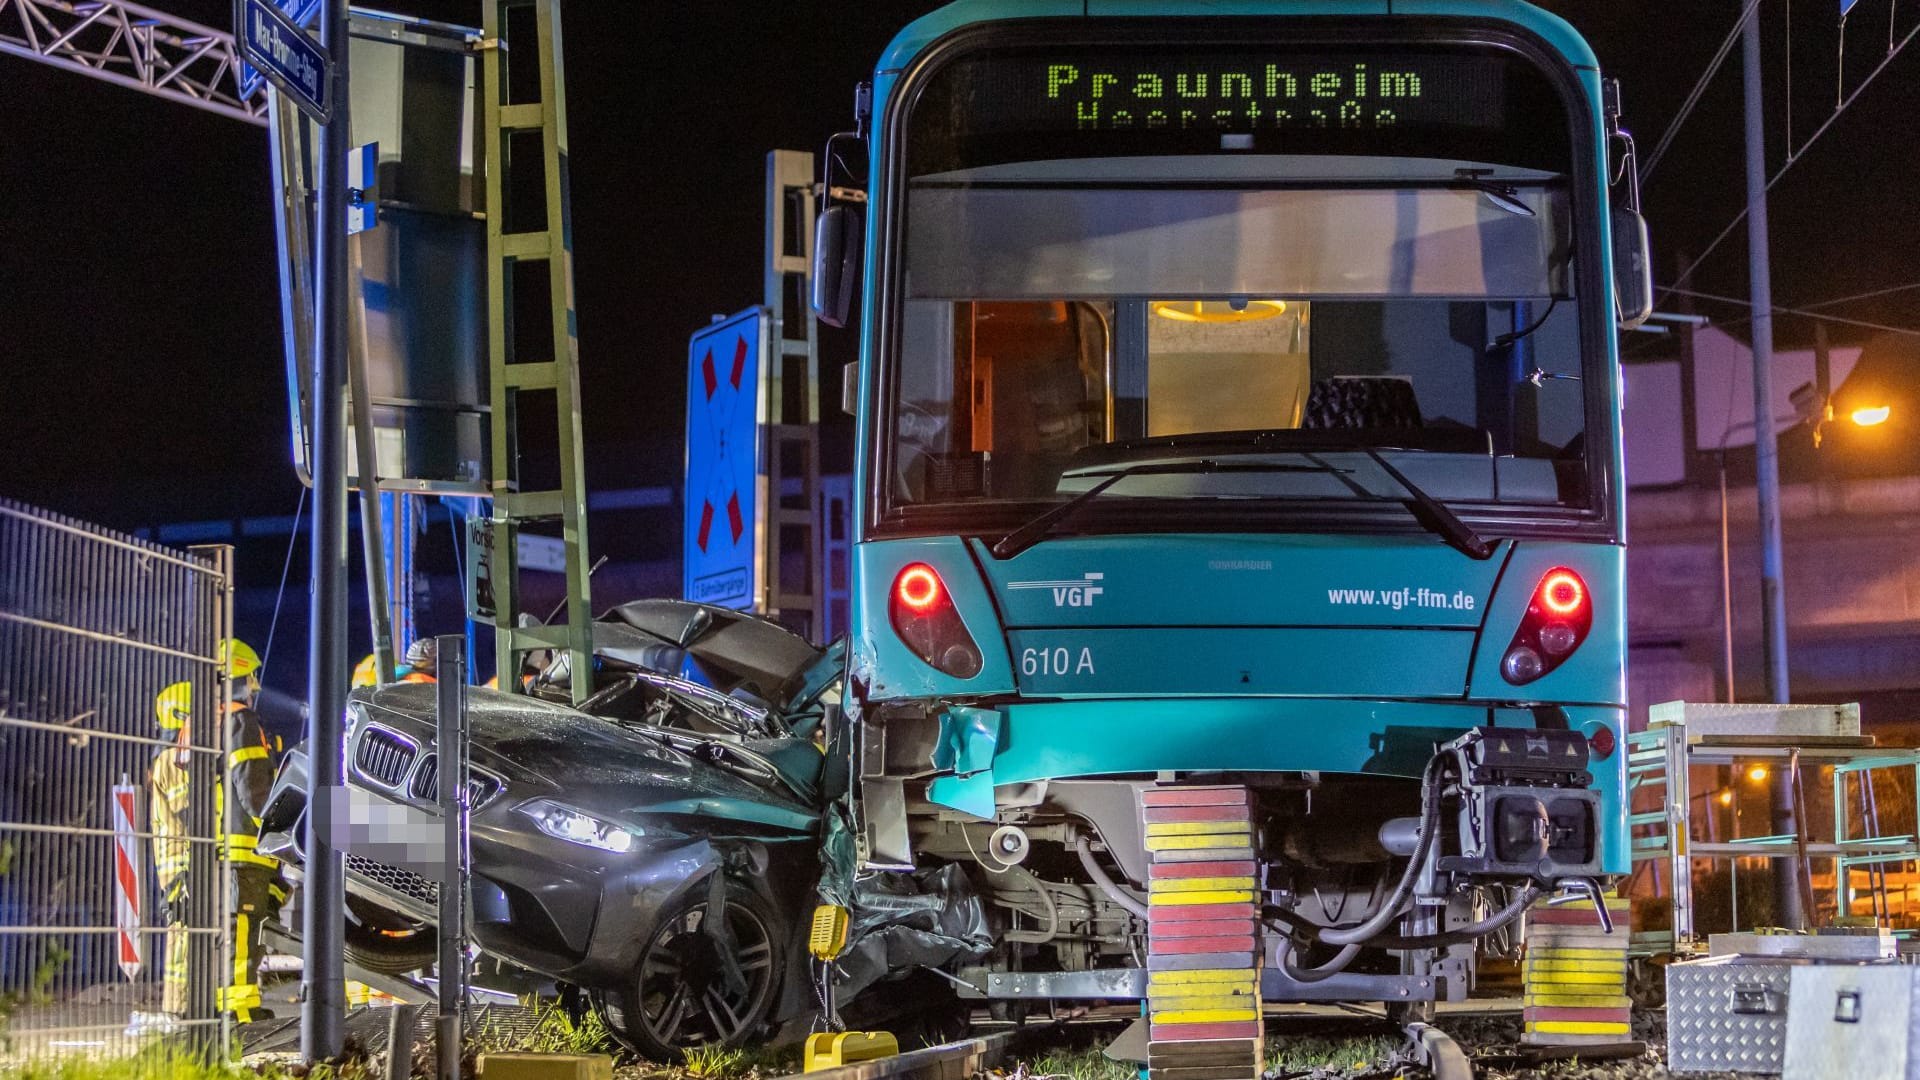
{"x":93,"y":626}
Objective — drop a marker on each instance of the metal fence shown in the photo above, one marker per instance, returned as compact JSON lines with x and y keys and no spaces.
{"x":93,"y":625}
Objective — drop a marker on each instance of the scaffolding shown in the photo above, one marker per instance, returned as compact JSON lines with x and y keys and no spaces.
{"x":1666,"y":840}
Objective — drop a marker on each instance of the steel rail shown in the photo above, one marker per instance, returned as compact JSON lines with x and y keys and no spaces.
{"x":949,"y":1061}
{"x":1436,"y":1050}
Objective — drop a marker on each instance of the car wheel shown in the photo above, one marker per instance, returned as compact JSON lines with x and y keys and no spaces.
{"x":385,"y":942}
{"x":699,"y":981}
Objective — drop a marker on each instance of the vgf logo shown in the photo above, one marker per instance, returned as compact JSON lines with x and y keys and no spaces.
{"x":1069,"y":593}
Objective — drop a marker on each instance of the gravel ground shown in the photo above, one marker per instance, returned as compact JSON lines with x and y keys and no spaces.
{"x":1493,"y":1040}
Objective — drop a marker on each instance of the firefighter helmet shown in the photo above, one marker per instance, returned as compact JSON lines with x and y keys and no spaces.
{"x":174,"y":706}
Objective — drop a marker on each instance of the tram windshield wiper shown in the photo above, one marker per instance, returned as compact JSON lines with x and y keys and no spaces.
{"x":1031,"y":533}
{"x":1430,"y":512}
{"x":1434,"y":514}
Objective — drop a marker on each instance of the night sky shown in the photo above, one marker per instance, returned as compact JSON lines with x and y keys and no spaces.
{"x":139,"y":319}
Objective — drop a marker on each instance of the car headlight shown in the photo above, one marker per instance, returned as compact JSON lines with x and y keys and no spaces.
{"x":576,"y":827}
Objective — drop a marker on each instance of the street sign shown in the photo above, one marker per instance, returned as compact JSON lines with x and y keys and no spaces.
{"x":363,"y":188}
{"x":302,"y":13}
{"x":289,"y":59}
{"x":725,"y":480}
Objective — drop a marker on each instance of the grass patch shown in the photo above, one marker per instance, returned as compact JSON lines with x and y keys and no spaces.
{"x":177,"y":1063}
{"x":1086,"y":1063}
{"x":713,"y":1062}
{"x":1306,"y":1054}
{"x":555,"y":1031}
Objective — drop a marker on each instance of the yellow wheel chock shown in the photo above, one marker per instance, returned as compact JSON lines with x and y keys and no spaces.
{"x":832,"y":1049}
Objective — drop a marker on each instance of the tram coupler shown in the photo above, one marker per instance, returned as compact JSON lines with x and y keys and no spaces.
{"x":1527,"y":807}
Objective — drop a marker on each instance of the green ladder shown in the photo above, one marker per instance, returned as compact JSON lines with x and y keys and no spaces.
{"x":528,"y":31}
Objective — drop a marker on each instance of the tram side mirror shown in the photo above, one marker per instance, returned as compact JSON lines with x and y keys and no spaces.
{"x":1632,"y":268}
{"x":837,"y":251}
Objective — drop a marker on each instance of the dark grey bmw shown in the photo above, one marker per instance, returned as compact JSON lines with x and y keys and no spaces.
{"x":656,"y":847}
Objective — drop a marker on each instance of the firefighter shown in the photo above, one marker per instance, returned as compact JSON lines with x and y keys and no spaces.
{"x":257,"y":889}
{"x":422,"y":659}
{"x":167,"y":820}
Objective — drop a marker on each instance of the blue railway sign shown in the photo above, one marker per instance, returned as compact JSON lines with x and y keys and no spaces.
{"x":277,"y":47}
{"x":726,"y":406}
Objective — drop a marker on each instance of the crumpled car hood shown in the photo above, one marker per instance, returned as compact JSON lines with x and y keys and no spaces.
{"x":588,"y":762}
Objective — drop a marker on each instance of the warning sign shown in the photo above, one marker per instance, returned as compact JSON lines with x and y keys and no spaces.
{"x":724,"y":490}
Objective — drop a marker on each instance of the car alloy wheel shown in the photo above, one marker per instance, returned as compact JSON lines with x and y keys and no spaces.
{"x":700,"y":980}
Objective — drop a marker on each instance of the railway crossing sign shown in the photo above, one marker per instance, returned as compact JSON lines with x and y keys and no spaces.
{"x":276,"y":47}
{"x":723,"y":556}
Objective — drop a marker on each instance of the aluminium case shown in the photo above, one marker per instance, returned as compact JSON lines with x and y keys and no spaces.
{"x":1728,"y":1014}
{"x":1856,"y":1022}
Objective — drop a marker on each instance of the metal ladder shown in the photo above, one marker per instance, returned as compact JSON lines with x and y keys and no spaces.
{"x":508,"y":127}
{"x":793,"y":429}
{"x":1653,"y":758}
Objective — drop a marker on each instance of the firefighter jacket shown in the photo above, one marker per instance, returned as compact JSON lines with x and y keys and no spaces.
{"x":167,"y":819}
{"x":249,"y":779}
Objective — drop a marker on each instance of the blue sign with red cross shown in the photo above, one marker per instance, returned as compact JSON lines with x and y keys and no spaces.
{"x":721,"y":557}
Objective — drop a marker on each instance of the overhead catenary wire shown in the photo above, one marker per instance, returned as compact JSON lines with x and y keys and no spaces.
{"x":1699,"y":88}
{"x":1793,"y":157}
{"x":1838,"y":300}
{"x":1802,"y":312}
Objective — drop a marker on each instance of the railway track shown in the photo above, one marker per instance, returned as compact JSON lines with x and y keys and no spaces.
{"x":1427,"y":1047}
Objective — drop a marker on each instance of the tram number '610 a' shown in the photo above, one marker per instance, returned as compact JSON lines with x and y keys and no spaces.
{"x":1058,"y":660}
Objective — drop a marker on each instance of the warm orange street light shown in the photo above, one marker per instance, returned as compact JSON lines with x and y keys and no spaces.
{"x":1757,"y":773}
{"x":1726,"y":798}
{"x":1871,"y":415}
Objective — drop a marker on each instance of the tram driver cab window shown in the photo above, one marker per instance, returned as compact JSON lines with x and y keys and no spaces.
{"x":1025,"y":389}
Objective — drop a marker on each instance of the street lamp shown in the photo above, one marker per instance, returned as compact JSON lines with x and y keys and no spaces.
{"x":1809,"y":406}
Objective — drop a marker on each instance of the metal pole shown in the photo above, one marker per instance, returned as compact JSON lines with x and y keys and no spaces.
{"x":1726,"y":579}
{"x":367,"y":472}
{"x":323,"y":1013}
{"x":1766,"y":454}
{"x":450,"y":738}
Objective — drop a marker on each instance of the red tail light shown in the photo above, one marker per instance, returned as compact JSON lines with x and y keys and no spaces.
{"x":926,"y":620}
{"x":1602,"y":743}
{"x":1557,"y":620}
{"x":919,"y":588}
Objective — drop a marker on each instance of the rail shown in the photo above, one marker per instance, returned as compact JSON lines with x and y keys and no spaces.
{"x":949,"y":1061}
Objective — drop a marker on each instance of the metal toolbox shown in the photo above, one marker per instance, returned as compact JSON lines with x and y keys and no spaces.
{"x":1728,"y":1014}
{"x":1853,"y":1021}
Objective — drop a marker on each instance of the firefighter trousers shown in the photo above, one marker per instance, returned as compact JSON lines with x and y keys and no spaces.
{"x":258,"y":893}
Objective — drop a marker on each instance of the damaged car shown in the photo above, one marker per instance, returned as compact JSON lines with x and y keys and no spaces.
{"x":657,"y":847}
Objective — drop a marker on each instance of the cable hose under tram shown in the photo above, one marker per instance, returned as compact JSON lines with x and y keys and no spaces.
{"x":1396,"y":901}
